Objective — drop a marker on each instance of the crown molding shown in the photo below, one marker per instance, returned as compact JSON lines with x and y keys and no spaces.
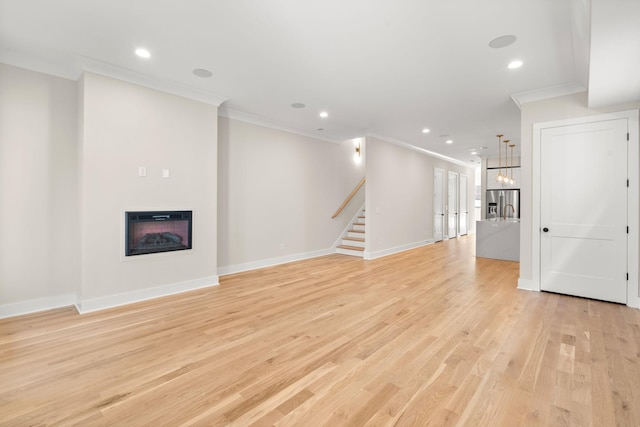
{"x":422,"y":150}
{"x":52,"y":64}
{"x":163,"y":85}
{"x":548,"y":92}
{"x":72,"y":68}
{"x":271,"y":124}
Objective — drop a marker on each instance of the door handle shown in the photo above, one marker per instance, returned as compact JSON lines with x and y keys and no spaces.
{"x":546,"y":230}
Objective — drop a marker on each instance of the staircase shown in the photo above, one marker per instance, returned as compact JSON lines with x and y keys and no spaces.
{"x":353,"y":242}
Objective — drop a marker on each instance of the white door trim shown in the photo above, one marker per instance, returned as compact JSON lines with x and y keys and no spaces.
{"x":443,"y":203}
{"x":633,"y":205}
{"x":456,"y":221}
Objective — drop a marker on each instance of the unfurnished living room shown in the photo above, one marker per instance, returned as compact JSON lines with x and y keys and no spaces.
{"x":302,"y":213}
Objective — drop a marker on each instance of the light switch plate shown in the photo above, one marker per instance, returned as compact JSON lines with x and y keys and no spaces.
{"x":165,"y":173}
{"x":142,"y":171}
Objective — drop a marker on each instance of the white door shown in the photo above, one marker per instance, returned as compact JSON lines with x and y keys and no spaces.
{"x":452,"y":205}
{"x":583,"y":216}
{"x":438,"y":204}
{"x":464,"y":207}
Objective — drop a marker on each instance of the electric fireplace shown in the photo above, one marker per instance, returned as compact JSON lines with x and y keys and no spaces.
{"x":158,"y":231}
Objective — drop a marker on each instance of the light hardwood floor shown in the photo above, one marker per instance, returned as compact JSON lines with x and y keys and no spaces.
{"x":431,"y":336}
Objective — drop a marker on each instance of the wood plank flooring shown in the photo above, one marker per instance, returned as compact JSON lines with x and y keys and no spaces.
{"x":431,"y":336}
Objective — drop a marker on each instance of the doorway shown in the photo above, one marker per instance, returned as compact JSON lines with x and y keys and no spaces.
{"x":585,"y":208}
{"x":464,"y":204}
{"x":438,"y":204}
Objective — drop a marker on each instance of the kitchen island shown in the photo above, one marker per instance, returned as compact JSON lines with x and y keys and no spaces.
{"x":498,"y":238}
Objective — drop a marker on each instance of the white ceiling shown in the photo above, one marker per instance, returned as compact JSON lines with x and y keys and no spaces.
{"x":378,"y":67}
{"x":614,"y":72}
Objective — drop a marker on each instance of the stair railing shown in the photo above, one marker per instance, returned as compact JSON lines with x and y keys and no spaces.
{"x":348,"y":199}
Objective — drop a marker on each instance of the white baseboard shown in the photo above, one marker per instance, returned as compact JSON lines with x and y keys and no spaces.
{"x":526,"y":284}
{"x":391,"y":251}
{"x":633,"y":292}
{"x":36,"y":305}
{"x":239,"y":268}
{"x":117,"y":300}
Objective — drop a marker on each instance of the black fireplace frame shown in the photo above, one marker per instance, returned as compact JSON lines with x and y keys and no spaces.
{"x":135,"y":217}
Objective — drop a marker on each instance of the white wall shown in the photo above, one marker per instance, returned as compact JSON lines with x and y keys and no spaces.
{"x":125,"y":126}
{"x":38,"y":191}
{"x":277,"y":192}
{"x":561,"y":108}
{"x":399,"y":196}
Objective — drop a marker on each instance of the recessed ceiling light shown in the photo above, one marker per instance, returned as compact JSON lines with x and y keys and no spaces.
{"x":502,"y":41}
{"x":201,"y":72}
{"x":298,"y":105}
{"x":143,"y":53}
{"x":474,"y":152}
{"x":425,"y":130}
{"x":324,"y":114}
{"x":515,"y":64}
{"x":449,"y":141}
{"x":483,"y":148}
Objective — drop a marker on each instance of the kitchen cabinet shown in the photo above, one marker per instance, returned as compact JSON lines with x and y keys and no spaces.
{"x":498,"y":239}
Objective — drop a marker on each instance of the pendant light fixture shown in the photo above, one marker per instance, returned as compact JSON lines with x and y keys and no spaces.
{"x":505,"y":179}
{"x":511,"y":180}
{"x":499,"y":177}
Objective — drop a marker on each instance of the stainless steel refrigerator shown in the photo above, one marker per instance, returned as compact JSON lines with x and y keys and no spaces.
{"x":500,"y":202}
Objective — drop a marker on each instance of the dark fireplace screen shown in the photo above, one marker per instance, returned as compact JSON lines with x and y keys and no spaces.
{"x":160,"y":231}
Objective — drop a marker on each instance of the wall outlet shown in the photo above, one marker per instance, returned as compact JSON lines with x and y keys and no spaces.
{"x":165,"y":173}
{"x":142,"y":171}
